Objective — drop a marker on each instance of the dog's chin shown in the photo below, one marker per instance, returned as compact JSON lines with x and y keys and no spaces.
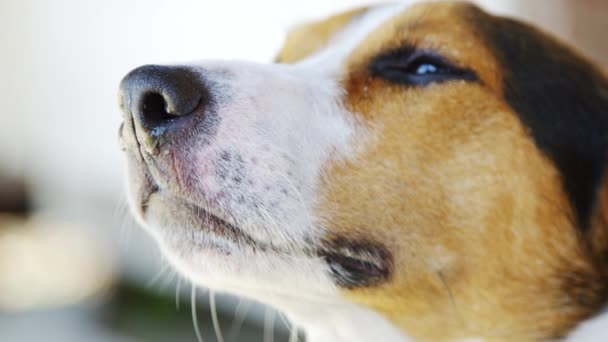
{"x":214,"y":252}
{"x":204,"y":229}
{"x":202,"y":246}
{"x":211,"y":246}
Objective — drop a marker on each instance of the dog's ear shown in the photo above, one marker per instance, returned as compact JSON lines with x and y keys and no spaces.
{"x":304,"y":40}
{"x":561,"y":98}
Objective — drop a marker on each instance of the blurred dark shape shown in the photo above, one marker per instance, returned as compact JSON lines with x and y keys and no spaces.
{"x":13,"y":195}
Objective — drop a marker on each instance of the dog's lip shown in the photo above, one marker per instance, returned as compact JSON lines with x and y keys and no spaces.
{"x":210,"y":221}
{"x":219,"y":226}
{"x":150,"y":188}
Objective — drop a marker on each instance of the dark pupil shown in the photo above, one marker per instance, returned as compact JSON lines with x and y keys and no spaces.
{"x":425,"y":69}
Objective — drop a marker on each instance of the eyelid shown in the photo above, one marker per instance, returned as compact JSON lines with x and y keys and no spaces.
{"x":393,"y":66}
{"x":406,"y":56}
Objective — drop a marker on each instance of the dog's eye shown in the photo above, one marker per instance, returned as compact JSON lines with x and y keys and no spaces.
{"x":419,"y":68}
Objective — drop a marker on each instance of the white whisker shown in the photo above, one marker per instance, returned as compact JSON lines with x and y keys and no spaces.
{"x":293,"y":334}
{"x":169,"y":277}
{"x":269,"y":316}
{"x":293,"y":330}
{"x":239,"y":317}
{"x":127,"y":224}
{"x":214,"y":319}
{"x":197,"y":329}
{"x":162,"y":272}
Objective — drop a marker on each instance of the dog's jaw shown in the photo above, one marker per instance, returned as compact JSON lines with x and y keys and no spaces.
{"x":275,"y":130}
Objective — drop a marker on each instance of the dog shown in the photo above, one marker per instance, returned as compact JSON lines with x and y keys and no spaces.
{"x":425,"y":173}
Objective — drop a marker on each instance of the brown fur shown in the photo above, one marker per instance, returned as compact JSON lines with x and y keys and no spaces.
{"x":452,"y":184}
{"x":598,"y":235}
{"x":304,"y":40}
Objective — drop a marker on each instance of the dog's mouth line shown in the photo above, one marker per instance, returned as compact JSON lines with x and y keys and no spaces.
{"x":352,"y":263}
{"x":225,"y":229}
{"x":210,"y":222}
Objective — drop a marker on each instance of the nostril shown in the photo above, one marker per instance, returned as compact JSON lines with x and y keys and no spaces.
{"x":158,"y":96}
{"x":154,"y":110}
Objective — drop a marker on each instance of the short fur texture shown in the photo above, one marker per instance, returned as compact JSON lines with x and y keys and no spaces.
{"x":472,"y":204}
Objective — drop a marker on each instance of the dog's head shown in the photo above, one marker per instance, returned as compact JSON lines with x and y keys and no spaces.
{"x":436,"y":164}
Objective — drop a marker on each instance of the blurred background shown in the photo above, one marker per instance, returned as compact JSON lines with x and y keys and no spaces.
{"x":73,"y":265}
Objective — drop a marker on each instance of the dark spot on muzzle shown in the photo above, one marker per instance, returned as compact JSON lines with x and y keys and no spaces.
{"x":357,"y":263}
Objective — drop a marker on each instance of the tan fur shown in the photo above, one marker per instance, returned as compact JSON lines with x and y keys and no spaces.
{"x":454,"y":187}
{"x":304,"y":40}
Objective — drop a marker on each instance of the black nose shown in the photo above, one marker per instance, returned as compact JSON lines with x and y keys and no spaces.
{"x":158,"y":95}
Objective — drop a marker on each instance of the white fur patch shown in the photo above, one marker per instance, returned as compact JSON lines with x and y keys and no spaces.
{"x":339,"y":321}
{"x":329,"y":60}
{"x":275,"y":129}
{"x":278,"y":127}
